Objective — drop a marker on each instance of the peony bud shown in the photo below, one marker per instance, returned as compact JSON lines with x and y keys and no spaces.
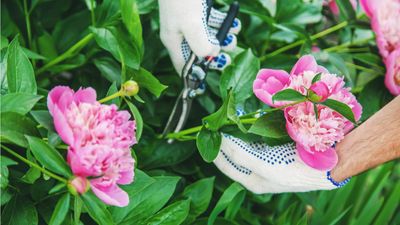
{"x":318,"y":92}
{"x":130,"y":88}
{"x":78,"y":185}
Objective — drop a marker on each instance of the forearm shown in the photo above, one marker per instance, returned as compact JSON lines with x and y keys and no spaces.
{"x":375,"y":142}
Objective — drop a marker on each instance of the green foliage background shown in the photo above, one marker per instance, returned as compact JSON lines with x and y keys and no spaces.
{"x":101,"y":44}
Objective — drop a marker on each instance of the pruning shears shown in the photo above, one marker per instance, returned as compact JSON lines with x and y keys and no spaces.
{"x":194,"y":74}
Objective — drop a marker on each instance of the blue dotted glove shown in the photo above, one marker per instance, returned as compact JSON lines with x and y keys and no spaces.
{"x":270,"y":169}
{"x":184,"y":27}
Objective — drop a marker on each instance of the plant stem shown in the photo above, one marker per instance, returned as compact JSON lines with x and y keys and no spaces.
{"x":184,"y":134}
{"x":110,"y":97}
{"x":69,"y":53}
{"x":93,"y":16}
{"x":360,"y":67}
{"x":345,"y":45}
{"x":32,"y":164}
{"x":299,"y":42}
{"x":28,"y":23}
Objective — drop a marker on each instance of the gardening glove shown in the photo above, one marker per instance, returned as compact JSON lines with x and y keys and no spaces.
{"x":185,"y":28}
{"x":270,"y":169}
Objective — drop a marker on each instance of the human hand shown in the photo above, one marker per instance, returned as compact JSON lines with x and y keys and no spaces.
{"x":270,"y":169}
{"x":185,"y":28}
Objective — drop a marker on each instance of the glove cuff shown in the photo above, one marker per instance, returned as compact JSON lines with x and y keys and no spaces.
{"x":337,"y":184}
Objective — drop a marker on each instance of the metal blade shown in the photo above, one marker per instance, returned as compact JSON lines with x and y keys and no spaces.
{"x":175,"y":115}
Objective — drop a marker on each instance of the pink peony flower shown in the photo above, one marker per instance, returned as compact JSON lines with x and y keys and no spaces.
{"x":334,"y":7}
{"x":384,"y":21}
{"x":267,"y":83}
{"x":314,"y":136}
{"x":392,"y":78}
{"x":99,"y":138}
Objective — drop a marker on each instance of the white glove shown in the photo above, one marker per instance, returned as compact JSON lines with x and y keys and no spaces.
{"x":184,"y":23}
{"x":270,"y":169}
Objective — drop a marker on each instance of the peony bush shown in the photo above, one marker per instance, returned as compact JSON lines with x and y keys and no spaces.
{"x":87,"y":88}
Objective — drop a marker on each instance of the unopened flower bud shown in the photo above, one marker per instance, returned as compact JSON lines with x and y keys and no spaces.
{"x":130,"y":88}
{"x":78,"y":185}
{"x":318,"y":92}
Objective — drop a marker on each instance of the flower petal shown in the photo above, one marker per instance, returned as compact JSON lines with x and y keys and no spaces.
{"x":268,"y":82}
{"x":281,"y":75}
{"x":318,"y":160}
{"x":368,"y":6}
{"x":305,"y":63}
{"x":392,"y":78}
{"x":111,"y":195}
{"x":55,"y":95}
{"x":62,"y":127}
{"x":87,"y":95}
{"x":126,"y":177}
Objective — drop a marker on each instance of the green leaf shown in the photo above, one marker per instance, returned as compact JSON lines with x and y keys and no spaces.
{"x":146,"y":200}
{"x":43,"y":118}
{"x":288,"y":95}
{"x":32,"y":55}
{"x":217,"y":119}
{"x":14,"y":126}
{"x":271,"y":125}
{"x":19,"y":211}
{"x":316,"y":78}
{"x":49,"y":157}
{"x":373,"y":97}
{"x":96,"y":209}
{"x":199,"y":193}
{"x":58,"y":187}
{"x":234,"y":205}
{"x":228,"y":195}
{"x":109,"y":69}
{"x":20,"y":76}
{"x":20,"y":103}
{"x":5,"y":162}
{"x":131,"y":19}
{"x":239,"y":76}
{"x":112,"y":90}
{"x":3,"y":42}
{"x":146,"y":80}
{"x":5,"y":196}
{"x":372,"y":204}
{"x":389,"y":208}
{"x":71,"y":29}
{"x":146,"y":6}
{"x":61,"y":210}
{"x":114,"y":41}
{"x":346,"y":9}
{"x":208,"y":143}
{"x":138,"y":119}
{"x":33,"y":173}
{"x":173,"y":214}
{"x":156,"y":153}
{"x":341,"y":108}
{"x":298,"y":12}
{"x":232,"y":114}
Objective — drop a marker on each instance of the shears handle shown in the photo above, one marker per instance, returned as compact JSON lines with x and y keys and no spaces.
{"x":228,"y":21}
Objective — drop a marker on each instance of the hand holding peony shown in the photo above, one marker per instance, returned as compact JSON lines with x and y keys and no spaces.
{"x":312,"y":163}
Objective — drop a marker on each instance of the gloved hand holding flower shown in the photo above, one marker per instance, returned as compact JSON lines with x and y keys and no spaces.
{"x":311,"y":123}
